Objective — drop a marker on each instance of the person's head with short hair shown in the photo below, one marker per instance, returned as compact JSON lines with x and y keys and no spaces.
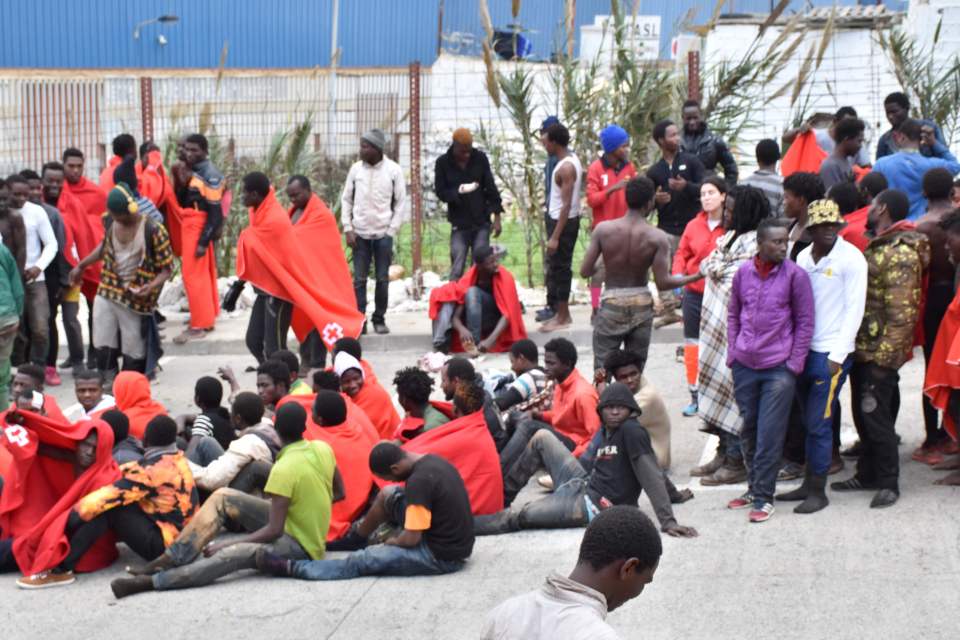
{"x":119,"y":424}
{"x":897,"y":108}
{"x":290,"y":421}
{"x":195,"y":148}
{"x":329,"y":409}
{"x":207,"y":393}
{"x":34,"y":185}
{"x":768,"y":154}
{"x":298,"y":191}
{"x":468,"y":398}
{"x":848,"y":135}
{"x":349,"y":345}
{"x":907,"y":134}
{"x":937,"y":185}
{"x":847,"y":196}
{"x":772,"y":240}
{"x":639,"y":194}
{"x":28,"y":378}
{"x":256,"y":188}
{"x":950,"y":223}
{"x":454,"y":371}
{"x":888,"y":208}
{"x":871,"y":185}
{"x":712,"y":192}
{"x":72,"y":164}
{"x":744,"y":207}
{"x":273,"y":381}
{"x":88,"y":386}
{"x":247,"y":410}
{"x":161,"y":431}
{"x":146,"y":149}
{"x":523,"y":356}
{"x":559,"y":359}
{"x":844,"y":112}
{"x":19,"y":190}
{"x":124,"y":145}
{"x":667,"y":136}
{"x":619,"y":554}
{"x":692,"y":117}
{"x":625,"y":367}
{"x":557,"y":139}
{"x":290,"y":359}
{"x":51,"y":181}
{"x":799,"y":190}
{"x":461,"y":147}
{"x":487,"y":261}
{"x":325,"y":379}
{"x":414,"y":386}
{"x":389,"y":462}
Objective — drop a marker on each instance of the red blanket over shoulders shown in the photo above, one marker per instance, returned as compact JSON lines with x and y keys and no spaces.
{"x":803,"y":155}
{"x":505,"y":294}
{"x":40,"y":491}
{"x":270,"y":257}
{"x":943,"y":371}
{"x":467,"y":445}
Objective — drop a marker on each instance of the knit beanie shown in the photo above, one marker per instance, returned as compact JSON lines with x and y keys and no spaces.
{"x":613,"y":137}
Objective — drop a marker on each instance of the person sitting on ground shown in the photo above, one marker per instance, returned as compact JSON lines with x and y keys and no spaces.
{"x":530,"y":379}
{"x":273,"y":383}
{"x":257,"y":442}
{"x":619,"y":554}
{"x":368,"y":394}
{"x":132,"y":392}
{"x":330,"y":381}
{"x":432,"y":509}
{"x":618,"y":466}
{"x":572,"y":416}
{"x":92,"y":402}
{"x":213,"y":421}
{"x":293,"y":523}
{"x":298,"y":387}
{"x":145,"y":509}
{"x":457,"y":371}
{"x":480,"y":312}
{"x":27,"y":392}
{"x":126,"y":448}
{"x":414,"y":387}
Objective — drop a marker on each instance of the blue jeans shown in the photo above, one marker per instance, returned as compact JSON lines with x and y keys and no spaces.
{"x":463,"y":240}
{"x":378,"y":560}
{"x":817,"y":392}
{"x":763,"y":397}
{"x":380,"y":252}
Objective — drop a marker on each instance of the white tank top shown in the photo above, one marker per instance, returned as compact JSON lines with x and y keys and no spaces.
{"x":556,"y":198}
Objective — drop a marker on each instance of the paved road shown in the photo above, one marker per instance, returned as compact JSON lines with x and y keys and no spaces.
{"x":848,"y":572}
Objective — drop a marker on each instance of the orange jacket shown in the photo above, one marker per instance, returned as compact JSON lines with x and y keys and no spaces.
{"x":600,"y":177}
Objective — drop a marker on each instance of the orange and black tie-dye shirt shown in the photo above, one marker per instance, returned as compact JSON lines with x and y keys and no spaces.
{"x":162,"y":486}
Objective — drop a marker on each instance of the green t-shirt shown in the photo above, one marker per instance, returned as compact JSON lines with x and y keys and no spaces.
{"x":433,"y":418}
{"x":303,"y":472}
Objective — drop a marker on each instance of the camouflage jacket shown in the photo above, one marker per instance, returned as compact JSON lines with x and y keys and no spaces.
{"x":897,"y":260}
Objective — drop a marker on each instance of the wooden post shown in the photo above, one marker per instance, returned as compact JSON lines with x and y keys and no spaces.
{"x":693,"y":75}
{"x":146,"y":107}
{"x":416,"y":200}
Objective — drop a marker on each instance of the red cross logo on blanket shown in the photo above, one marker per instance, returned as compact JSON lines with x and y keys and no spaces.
{"x":17,"y":435}
{"x":332,"y":332}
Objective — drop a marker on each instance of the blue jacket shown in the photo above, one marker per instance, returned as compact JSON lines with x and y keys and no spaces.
{"x":886,"y":146}
{"x":904,"y":170}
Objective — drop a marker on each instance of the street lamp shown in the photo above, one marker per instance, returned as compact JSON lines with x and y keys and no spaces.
{"x":160,"y":19}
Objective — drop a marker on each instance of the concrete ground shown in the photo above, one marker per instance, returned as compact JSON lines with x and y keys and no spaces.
{"x":847,"y":572}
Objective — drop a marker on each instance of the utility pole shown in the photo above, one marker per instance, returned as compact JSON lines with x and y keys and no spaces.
{"x":332,"y":83}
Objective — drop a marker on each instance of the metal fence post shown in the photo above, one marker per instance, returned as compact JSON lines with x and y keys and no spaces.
{"x":693,"y":75}
{"x":146,"y":107}
{"x":416,"y":199}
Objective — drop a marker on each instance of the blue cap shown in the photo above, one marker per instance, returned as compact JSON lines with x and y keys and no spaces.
{"x":613,"y":137}
{"x":548,"y":122}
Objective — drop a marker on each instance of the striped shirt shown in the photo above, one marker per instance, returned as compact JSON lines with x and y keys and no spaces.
{"x":529,"y":383}
{"x":771,"y":184}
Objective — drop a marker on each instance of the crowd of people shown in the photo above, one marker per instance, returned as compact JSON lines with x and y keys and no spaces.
{"x":821,"y":265}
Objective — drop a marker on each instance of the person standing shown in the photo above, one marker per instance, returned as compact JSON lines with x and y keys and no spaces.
{"x":41,"y":246}
{"x":897,"y":257}
{"x":826,"y":137}
{"x":549,"y":310}
{"x":563,"y":225}
{"x":838,"y":166}
{"x":124,"y":146}
{"x":371,"y":212}
{"x":838,"y":275}
{"x":766,"y":178}
{"x":607,"y":177}
{"x":799,"y":190}
{"x":706,"y":145}
{"x":464,"y":181}
{"x":897,"y":108}
{"x":770,"y":323}
{"x":677,"y":177}
{"x":906,"y":167}
{"x":11,"y":308}
{"x":698,"y":241}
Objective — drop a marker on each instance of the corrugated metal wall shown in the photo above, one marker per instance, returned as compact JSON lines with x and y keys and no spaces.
{"x":293,"y":33}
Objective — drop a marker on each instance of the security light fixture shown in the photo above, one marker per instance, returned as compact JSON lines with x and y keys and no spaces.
{"x":167,"y":19}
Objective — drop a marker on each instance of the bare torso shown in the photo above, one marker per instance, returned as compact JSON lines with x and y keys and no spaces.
{"x":629,"y":246}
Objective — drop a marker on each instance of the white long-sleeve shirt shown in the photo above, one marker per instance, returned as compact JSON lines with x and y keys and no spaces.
{"x":41,"y":241}
{"x":221,"y":472}
{"x":373,"y":199}
{"x":839,"y":284}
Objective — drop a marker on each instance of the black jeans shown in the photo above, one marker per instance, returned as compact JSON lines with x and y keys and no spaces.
{"x":131,"y":526}
{"x":268,"y":326}
{"x":560,"y":264}
{"x":522,"y":435}
{"x":380,"y":252}
{"x":73,"y":331}
{"x":939,"y":296}
{"x":876,"y":402}
{"x":463,"y":240}
{"x":313,"y":353}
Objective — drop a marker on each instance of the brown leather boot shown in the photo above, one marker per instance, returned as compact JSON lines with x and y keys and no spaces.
{"x":733,"y":471}
{"x":709,"y":468}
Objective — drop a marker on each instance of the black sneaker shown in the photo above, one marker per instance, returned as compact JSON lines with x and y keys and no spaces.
{"x":884,"y":498}
{"x":545,"y":314}
{"x":381,"y":328}
{"x":272,"y":564}
{"x":853,"y":484}
{"x":363,"y":331}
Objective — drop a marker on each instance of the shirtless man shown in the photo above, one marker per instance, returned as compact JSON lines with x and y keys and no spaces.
{"x":12,"y":229}
{"x":630,"y":247}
